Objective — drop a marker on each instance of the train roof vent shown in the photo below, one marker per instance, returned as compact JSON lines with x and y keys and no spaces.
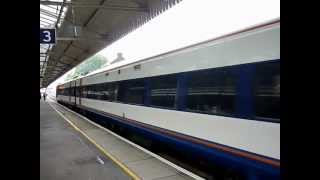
{"x":137,"y":67}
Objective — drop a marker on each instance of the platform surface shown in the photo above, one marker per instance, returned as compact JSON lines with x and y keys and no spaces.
{"x":66,"y":155}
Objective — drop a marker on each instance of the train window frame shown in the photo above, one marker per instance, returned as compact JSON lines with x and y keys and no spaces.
{"x":124,"y":84}
{"x":163,"y":78}
{"x":220,"y":82}
{"x":264,"y":66}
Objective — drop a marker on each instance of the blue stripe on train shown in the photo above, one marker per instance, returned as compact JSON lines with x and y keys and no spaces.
{"x":254,"y":169}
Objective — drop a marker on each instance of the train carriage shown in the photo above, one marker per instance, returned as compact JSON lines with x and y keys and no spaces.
{"x":219,"y":99}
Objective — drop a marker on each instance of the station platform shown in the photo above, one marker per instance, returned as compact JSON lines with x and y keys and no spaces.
{"x":65,"y":155}
{"x":73,"y":147}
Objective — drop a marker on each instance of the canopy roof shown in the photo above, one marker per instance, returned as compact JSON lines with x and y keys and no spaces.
{"x":85,"y":27}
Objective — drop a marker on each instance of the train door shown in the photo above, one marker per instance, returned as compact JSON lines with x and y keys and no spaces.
{"x":73,"y":95}
{"x":69,"y":93}
{"x":75,"y":92}
{"x":80,"y":91}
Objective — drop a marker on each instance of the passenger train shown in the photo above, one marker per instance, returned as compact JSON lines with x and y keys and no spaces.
{"x":218,"y":99}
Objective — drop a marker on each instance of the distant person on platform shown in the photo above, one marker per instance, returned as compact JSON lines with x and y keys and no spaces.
{"x":44,"y":96}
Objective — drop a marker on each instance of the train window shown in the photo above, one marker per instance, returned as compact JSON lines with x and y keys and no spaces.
{"x":84,"y":91}
{"x":96,"y":91}
{"x":111,"y":91}
{"x":131,"y":91}
{"x":267,"y":91}
{"x":91,"y":92}
{"x":163,"y":91}
{"x":105,"y":91}
{"x":66,"y":92}
{"x":212,"y":91}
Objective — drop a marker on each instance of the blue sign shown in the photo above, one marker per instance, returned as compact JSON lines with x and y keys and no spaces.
{"x":47,"y":36}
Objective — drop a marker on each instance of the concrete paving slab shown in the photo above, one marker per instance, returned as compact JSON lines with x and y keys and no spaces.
{"x":151,"y":169}
{"x":66,"y":155}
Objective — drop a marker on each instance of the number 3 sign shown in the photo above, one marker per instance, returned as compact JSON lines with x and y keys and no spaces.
{"x":47,"y":36}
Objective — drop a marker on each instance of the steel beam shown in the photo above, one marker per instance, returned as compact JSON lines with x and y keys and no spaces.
{"x":48,"y":13}
{"x":47,"y":19}
{"x":79,"y":38}
{"x":60,"y":12}
{"x":87,"y":5}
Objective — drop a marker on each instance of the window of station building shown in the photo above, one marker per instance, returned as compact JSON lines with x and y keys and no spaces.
{"x":131,"y":91}
{"x":212,"y":91}
{"x":163,"y":91}
{"x":267,"y":91}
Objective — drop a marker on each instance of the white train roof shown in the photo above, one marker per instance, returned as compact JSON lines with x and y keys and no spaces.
{"x":121,"y":64}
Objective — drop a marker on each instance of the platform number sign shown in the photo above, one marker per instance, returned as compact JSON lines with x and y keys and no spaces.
{"x":47,"y":36}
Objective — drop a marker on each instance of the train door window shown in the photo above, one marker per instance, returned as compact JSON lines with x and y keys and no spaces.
{"x":267,"y":91}
{"x":212,"y":91}
{"x":64,"y":91}
{"x":131,"y":91}
{"x":68,"y":91}
{"x":84,"y":91}
{"x":163,"y":91}
{"x":77,"y":91}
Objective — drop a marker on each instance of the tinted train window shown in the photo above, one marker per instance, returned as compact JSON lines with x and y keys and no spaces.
{"x":110,"y":91}
{"x":131,"y":91}
{"x":163,"y":91}
{"x":84,"y":91}
{"x":105,"y":91}
{"x":212,"y":91}
{"x":91,"y":92}
{"x":68,"y":92}
{"x":267,"y":91}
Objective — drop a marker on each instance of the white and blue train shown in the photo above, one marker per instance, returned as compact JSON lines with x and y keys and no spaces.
{"x":219,"y":99}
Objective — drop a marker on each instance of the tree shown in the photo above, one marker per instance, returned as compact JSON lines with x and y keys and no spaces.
{"x":92,"y":64}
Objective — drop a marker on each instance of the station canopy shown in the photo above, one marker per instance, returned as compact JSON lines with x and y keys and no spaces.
{"x":85,"y":27}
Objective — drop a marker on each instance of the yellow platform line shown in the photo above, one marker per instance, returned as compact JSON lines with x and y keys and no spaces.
{"x":115,"y":160}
